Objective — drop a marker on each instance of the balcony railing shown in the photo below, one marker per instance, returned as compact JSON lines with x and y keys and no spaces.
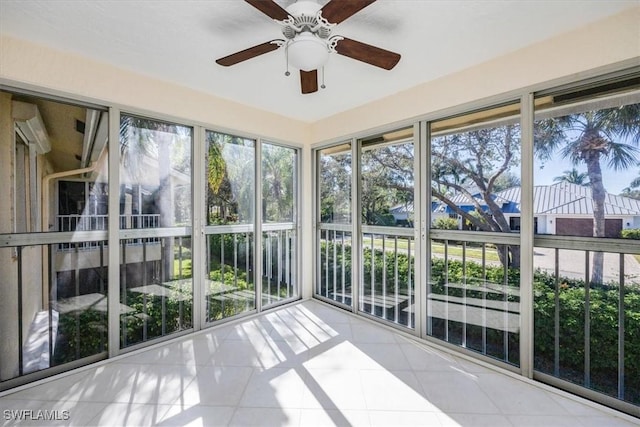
{"x":230,"y":266}
{"x":76,"y":223}
{"x":100,"y":222}
{"x":387,"y":285}
{"x":586,"y":330}
{"x":387,"y":280}
{"x":473,"y":292}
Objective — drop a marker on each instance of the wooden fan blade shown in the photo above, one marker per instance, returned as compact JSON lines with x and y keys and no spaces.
{"x":337,"y":11}
{"x":252,"y":52}
{"x":269,"y":8}
{"x":309,"y":81}
{"x":367,"y":53}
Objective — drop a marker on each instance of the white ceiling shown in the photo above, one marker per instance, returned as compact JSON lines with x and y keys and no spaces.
{"x":178,"y":41}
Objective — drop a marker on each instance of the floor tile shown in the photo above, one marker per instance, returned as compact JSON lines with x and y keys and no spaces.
{"x":546,"y":420}
{"x":130,"y":414}
{"x":456,"y":392}
{"x":334,"y":389}
{"x":393,"y":390}
{"x":266,"y":417}
{"x":197,"y":416}
{"x":403,"y":418}
{"x":598,"y":421}
{"x":216,"y":386}
{"x":388,"y":356}
{"x":274,"y":388}
{"x":306,"y":364}
{"x":333,"y":417}
{"x":423,"y":358}
{"x":451,"y":419}
{"x":516,"y":397}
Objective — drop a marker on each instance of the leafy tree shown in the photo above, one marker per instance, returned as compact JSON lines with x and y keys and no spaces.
{"x":506,"y":180}
{"x":633,"y":190}
{"x":387,"y":181}
{"x":471,"y":166}
{"x":572,"y":176}
{"x":278,"y":183}
{"x":609,"y":136}
{"x":335,"y":186}
{"x":230,"y":168}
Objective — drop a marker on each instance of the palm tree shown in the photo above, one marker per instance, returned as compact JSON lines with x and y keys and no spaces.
{"x":573,"y":177}
{"x":610,"y":135}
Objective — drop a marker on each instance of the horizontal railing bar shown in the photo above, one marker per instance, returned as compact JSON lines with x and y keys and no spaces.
{"x":228,"y":229}
{"x":248,"y":228}
{"x":388,"y":231}
{"x":154,"y":232}
{"x":275,"y":226}
{"x":477,"y":236}
{"x":588,"y":244}
{"x":335,"y":227}
{"x":30,"y":239}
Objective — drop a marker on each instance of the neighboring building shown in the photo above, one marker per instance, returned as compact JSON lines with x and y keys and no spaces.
{"x":563,"y":208}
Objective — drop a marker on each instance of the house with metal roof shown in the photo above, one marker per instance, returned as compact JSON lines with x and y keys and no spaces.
{"x":563,"y":208}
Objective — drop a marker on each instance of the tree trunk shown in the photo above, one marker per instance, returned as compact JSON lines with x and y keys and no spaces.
{"x":598,"y":194}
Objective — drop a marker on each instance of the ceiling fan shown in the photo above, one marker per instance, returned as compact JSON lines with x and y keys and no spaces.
{"x":308,"y":42}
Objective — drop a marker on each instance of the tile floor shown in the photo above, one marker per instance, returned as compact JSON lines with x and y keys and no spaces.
{"x":307,"y":364}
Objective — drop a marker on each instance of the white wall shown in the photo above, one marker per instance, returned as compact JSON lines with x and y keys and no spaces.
{"x":605,"y":42}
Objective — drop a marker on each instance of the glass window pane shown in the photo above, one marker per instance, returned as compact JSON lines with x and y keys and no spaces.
{"x":587,"y":168}
{"x":279,"y":168}
{"x":333,"y":268}
{"x":474,"y":285}
{"x":334,"y":181}
{"x":230,"y":177}
{"x":475,"y":171}
{"x":230,"y":164}
{"x":279,"y":230}
{"x":387,"y":286}
{"x":156,"y":286}
{"x":53,"y":297}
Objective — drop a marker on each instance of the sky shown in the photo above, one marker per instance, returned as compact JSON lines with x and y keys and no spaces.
{"x":614,"y":181}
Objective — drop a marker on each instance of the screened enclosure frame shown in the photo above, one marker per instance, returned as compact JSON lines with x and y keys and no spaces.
{"x":114,"y":234}
{"x":525,"y":99}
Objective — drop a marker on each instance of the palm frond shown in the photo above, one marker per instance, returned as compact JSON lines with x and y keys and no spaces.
{"x":622,"y":156}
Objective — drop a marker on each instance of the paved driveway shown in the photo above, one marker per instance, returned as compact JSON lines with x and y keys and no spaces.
{"x":572,"y":265}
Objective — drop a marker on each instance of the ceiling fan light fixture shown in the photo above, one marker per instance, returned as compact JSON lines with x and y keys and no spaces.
{"x":308,"y":52}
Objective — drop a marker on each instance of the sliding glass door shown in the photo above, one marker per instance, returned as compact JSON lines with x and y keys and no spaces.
{"x":229,"y":287}
{"x":53,"y":244}
{"x":387,"y":277}
{"x":156,"y":282}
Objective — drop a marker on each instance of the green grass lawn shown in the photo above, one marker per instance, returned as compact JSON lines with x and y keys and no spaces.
{"x":473,"y":253}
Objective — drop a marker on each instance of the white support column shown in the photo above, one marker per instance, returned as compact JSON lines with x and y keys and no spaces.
{"x":306,"y":221}
{"x":356,"y":218}
{"x":198,"y":241}
{"x":420,"y":183}
{"x":526,"y":237}
{"x":114,"y":233}
{"x":257,"y":260}
{"x":424,"y":262}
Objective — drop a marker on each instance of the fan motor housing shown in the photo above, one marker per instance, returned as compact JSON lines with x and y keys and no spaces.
{"x":304,"y":16}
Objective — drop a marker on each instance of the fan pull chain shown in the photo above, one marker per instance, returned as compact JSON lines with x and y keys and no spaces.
{"x":322,"y":86}
{"x":286,"y":55}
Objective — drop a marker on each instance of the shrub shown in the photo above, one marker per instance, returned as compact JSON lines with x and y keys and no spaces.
{"x":631,"y":233}
{"x":446,"y":224}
